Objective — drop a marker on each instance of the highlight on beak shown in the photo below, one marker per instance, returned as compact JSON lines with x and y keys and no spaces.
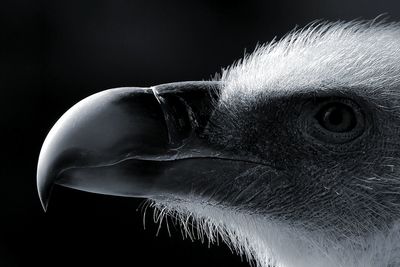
{"x":127,"y":141}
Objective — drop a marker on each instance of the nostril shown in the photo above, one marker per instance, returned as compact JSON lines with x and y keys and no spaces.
{"x":187,"y":107}
{"x":184,"y":118}
{"x":178,"y":116}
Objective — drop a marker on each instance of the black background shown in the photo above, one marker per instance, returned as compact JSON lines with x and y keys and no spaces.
{"x":54,"y":53}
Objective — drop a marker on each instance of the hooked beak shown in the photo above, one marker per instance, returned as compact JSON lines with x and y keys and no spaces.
{"x":137,"y":142}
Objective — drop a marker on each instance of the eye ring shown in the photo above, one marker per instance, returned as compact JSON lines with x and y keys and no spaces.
{"x":336,"y":117}
{"x":334,"y":120}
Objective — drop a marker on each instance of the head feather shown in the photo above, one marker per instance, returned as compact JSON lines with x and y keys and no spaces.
{"x":341,"y":55}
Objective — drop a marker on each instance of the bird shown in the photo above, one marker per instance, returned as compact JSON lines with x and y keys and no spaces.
{"x":290,"y":156}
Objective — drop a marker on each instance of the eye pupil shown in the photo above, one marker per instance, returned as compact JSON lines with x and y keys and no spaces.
{"x":336,"y":117}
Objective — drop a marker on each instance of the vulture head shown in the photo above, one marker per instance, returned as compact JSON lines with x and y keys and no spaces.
{"x":291,"y":156}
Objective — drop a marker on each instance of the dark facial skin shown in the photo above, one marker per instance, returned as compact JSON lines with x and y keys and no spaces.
{"x":345,"y":183}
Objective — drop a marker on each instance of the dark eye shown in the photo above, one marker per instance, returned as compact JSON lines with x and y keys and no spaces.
{"x":337,"y":117}
{"x":333,"y":120}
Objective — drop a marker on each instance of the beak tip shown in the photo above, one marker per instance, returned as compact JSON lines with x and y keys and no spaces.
{"x":44,"y":180}
{"x":44,"y":196}
{"x":44,"y":202}
{"x":44,"y":205}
